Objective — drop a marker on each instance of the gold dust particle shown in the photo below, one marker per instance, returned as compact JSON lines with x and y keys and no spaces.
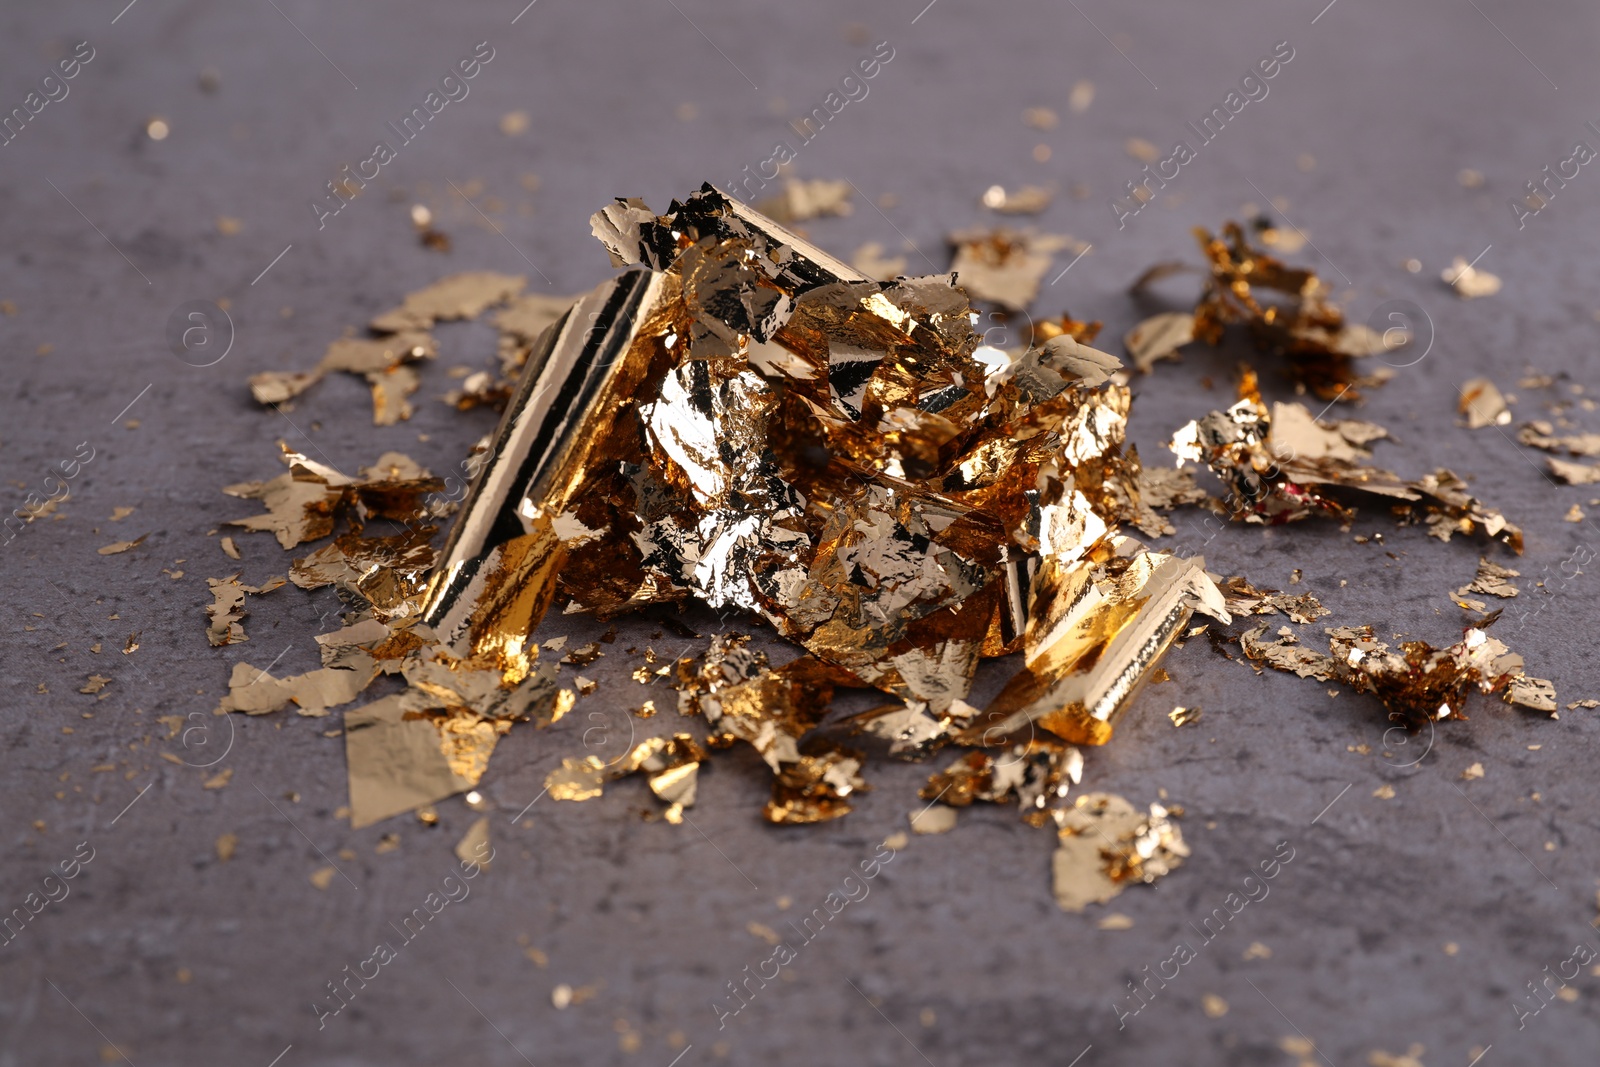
{"x":1214,"y":1006}
{"x":45,"y":349}
{"x":157,"y":129}
{"x":763,"y":931}
{"x":927,"y":1017}
{"x":561,"y":997}
{"x":1306,"y":162}
{"x":1041,"y":153}
{"x":1469,"y":178}
{"x":1142,"y":150}
{"x":1474,"y":771}
{"x":1043,"y":118}
{"x":538,"y":957}
{"x":220,"y":779}
{"x":513,"y":123}
{"x":896,"y":841}
{"x":421,"y":217}
{"x":322,"y":877}
{"x":1413,"y":265}
{"x":185,"y":976}
{"x":229,"y":226}
{"x":1081,"y":97}
{"x":427,"y":816}
{"x":1451,"y":948}
{"x":1549,"y":846}
{"x":387,"y":843}
{"x":647,"y":710}
{"x":227,"y":845}
{"x":686,"y":112}
{"x":1115,"y":921}
{"x":1257,"y":951}
{"x":629,"y":1041}
{"x":1384,"y":792}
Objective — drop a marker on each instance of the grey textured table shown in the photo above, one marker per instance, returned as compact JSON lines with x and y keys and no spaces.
{"x":162,"y":954}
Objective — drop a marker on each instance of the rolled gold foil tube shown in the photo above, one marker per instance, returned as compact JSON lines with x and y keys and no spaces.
{"x":574,"y":379}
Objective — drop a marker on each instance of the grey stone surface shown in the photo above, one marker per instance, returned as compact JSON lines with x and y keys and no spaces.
{"x":167,"y":956}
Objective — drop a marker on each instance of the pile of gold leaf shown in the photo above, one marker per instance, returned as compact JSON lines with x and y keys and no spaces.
{"x":743,"y":421}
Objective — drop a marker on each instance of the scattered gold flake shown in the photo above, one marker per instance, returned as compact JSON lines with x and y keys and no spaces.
{"x":1026,"y":200}
{"x":1159,"y":337}
{"x":1115,"y":921}
{"x":1472,"y":772}
{"x":387,"y":843}
{"x":474,"y":844}
{"x":227,"y":845}
{"x":1142,"y":150}
{"x":1469,"y":178}
{"x":118,"y":547}
{"x":1214,"y":1006}
{"x":514,"y":123}
{"x":1384,"y":792}
{"x":220,"y":779}
{"x":228,"y":226}
{"x":157,"y":129}
{"x":1041,"y":118}
{"x":561,"y":997}
{"x":871,"y":261}
{"x":1005,"y":266}
{"x":1468,"y":281}
{"x":229,"y":549}
{"x":934,"y":819}
{"x":95,"y":683}
{"x":1081,"y":97}
{"x":120,"y":513}
{"x":1411,"y":1058}
{"x":1492,"y":580}
{"x":1482,"y":404}
{"x":132,"y":644}
{"x":1287,"y":465}
{"x":896,"y":841}
{"x":1181,"y":716}
{"x":322,"y":877}
{"x":1105,"y":844}
{"x":1257,"y":951}
{"x":576,"y":779}
{"x":1574,"y":514}
{"x":764,"y":932}
{"x":801,"y":200}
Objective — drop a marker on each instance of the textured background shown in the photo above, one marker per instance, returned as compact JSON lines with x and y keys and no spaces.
{"x":163,"y":955}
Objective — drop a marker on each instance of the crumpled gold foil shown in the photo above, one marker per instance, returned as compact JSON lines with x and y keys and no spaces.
{"x":1315,"y":468}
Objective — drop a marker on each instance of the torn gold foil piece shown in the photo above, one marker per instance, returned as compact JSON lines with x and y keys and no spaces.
{"x":1317,"y":467}
{"x":1106,"y":844}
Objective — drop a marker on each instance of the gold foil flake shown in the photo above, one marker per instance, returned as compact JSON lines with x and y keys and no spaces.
{"x":1242,"y":598}
{"x":1182,"y":716}
{"x":583,"y":655}
{"x":1541,"y":434}
{"x":306,"y":502}
{"x":871,"y":261}
{"x":95,"y":683}
{"x":398,"y":762}
{"x":1036,"y":776}
{"x":1275,"y":482}
{"x":1026,"y":200}
{"x":1468,"y":281}
{"x":577,"y":779}
{"x":1044,"y":118}
{"x":224,"y":614}
{"x":384,"y":362}
{"x":815,"y":787}
{"x":459,"y":296}
{"x":118,"y":547}
{"x":1300,"y":325}
{"x":803,"y":199}
{"x":1418,"y":683}
{"x":1105,"y":844}
{"x":1574,"y":514}
{"x":255,"y":692}
{"x":1573,"y":473}
{"x":1481,"y":404}
{"x":1159,"y":337}
{"x":1005,"y":266}
{"x":474,"y":844}
{"x":1491,"y":579}
{"x":933,"y":819}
